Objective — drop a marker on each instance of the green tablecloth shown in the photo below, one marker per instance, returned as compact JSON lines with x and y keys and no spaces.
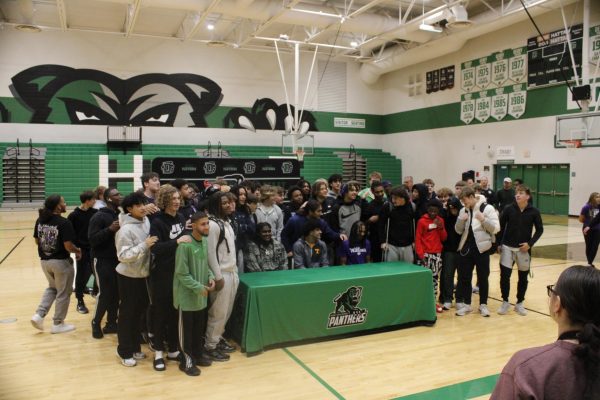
{"x":284,"y":306}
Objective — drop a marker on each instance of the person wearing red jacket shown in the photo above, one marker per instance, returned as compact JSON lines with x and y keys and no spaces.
{"x":428,"y":242}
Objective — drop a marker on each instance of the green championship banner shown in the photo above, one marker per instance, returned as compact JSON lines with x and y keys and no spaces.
{"x":594,"y":56}
{"x":488,"y":83}
{"x":496,"y":103}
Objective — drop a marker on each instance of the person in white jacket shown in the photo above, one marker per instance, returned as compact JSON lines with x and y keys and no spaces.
{"x":477,"y":223}
{"x":133,"y":245}
{"x":223,"y":263}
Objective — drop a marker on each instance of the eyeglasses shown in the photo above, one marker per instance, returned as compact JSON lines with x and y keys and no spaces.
{"x":550,"y":290}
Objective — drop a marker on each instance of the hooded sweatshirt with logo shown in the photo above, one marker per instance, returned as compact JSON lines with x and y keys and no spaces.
{"x":430,"y":235}
{"x":168,"y":229}
{"x":132,"y":250}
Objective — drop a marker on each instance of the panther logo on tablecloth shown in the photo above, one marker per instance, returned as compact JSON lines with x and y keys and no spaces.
{"x":346,"y":311}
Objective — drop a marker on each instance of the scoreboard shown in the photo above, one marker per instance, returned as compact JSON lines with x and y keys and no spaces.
{"x":547,"y":55}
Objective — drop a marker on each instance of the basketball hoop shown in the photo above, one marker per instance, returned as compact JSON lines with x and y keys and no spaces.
{"x":300,"y":154}
{"x":572,"y":144}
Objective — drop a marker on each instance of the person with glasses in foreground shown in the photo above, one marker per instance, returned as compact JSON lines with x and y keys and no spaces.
{"x":569,"y":367}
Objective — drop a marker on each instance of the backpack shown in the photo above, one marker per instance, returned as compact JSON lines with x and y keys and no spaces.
{"x":221,"y":235}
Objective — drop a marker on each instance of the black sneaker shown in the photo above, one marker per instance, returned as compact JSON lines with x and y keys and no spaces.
{"x":110,"y":327}
{"x":204,"y":360}
{"x":96,"y":331}
{"x":81,"y":308}
{"x":191,"y":371}
{"x":225,"y":347}
{"x":216,"y":355}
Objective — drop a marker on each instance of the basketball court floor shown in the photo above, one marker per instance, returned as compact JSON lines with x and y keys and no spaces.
{"x":457,"y":358}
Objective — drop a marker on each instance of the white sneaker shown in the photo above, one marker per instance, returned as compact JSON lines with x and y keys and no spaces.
{"x":139,"y":355}
{"x":520,"y":309}
{"x":37,"y":321}
{"x":464,"y":310}
{"x":483,"y":310}
{"x":62,"y":328}
{"x":128,"y":362}
{"x":504,"y":308}
{"x":459,"y":306}
{"x":447,"y":306}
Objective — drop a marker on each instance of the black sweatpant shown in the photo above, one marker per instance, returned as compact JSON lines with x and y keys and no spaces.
{"x":107,"y":300}
{"x":505,"y":273}
{"x":592,"y":241}
{"x":468,"y":259}
{"x":133,"y":293}
{"x":192,"y":329}
{"x":164,"y":315}
{"x":84,"y":271}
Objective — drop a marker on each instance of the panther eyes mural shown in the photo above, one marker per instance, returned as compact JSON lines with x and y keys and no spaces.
{"x":64,"y":95}
{"x":98,"y":98}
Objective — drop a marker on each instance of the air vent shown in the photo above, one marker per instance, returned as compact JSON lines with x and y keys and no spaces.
{"x":28,"y":28}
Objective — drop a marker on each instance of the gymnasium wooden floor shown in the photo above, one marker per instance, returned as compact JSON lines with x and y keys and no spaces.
{"x":458,"y":358}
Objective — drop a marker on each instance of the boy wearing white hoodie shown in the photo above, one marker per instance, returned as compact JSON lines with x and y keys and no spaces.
{"x":133,"y":245}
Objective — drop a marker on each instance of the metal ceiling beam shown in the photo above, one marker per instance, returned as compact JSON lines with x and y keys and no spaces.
{"x":270,"y":21}
{"x":62,"y":14}
{"x":133,"y":11}
{"x":200,"y":21}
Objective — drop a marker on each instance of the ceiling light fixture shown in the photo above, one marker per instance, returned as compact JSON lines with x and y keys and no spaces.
{"x":210,"y":27}
{"x":321,"y":13}
{"x":430,"y":28}
{"x":354,"y":43}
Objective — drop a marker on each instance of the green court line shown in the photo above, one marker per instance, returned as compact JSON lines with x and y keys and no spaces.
{"x":313,"y":374}
{"x":459,"y":391}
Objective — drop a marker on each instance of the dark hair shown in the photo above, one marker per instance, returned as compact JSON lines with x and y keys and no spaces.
{"x":400,"y":192}
{"x":133,"y":199}
{"x":251,"y":198}
{"x":106,"y":194}
{"x":354,"y":238}
{"x":334,"y":178}
{"x":146,"y":176}
{"x":178,"y":183}
{"x":86,"y":195}
{"x":291,"y":191}
{"x":578,"y":287}
{"x":50,"y":205}
{"x":259,"y":227}
{"x":435,"y":203}
{"x":311,"y":205}
{"x":309,"y":226}
{"x":198,"y":215}
{"x":214,"y":203}
{"x":376,"y":184}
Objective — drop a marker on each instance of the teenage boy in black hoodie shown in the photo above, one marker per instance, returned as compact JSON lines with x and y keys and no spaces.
{"x":517,"y":221}
{"x":450,"y":255}
{"x":168,"y":226}
{"x":397,"y":227}
{"x":101,"y":233}
{"x":80,"y":219}
{"x":420,"y":194}
{"x":370,"y":216}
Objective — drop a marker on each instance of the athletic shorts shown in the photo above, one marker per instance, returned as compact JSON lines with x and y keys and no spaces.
{"x":511,"y":255}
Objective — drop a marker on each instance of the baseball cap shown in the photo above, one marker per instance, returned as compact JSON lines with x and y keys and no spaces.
{"x":507,"y":179}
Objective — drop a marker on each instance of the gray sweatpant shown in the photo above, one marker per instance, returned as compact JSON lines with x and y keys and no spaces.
{"x":397,"y":253}
{"x":60,"y":274}
{"x":220,"y":309}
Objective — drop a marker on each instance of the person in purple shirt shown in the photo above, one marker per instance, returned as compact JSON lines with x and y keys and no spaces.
{"x":569,"y":367}
{"x":357,"y":249}
{"x":590,"y":234}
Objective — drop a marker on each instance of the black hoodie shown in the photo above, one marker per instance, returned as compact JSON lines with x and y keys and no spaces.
{"x":453,"y":239}
{"x":421,"y":202}
{"x":401,"y":226}
{"x":168,"y":229}
{"x":102,"y":239}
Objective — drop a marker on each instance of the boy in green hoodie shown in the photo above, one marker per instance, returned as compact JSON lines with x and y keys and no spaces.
{"x":192,"y":281}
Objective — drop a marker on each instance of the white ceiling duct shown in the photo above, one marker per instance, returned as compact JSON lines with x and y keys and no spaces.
{"x":458,"y":17}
